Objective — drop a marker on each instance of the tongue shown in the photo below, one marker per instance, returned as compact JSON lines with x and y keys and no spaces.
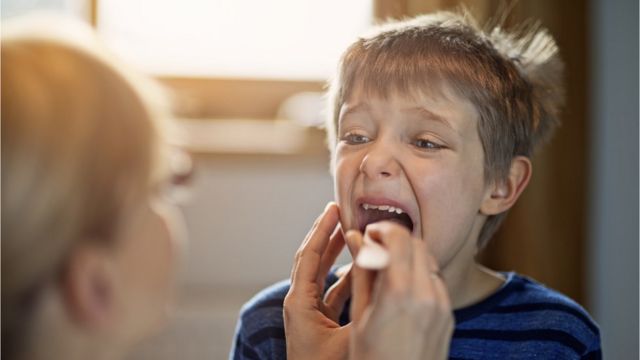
{"x":374,"y":216}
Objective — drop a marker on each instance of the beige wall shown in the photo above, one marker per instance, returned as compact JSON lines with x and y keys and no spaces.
{"x":247,"y":217}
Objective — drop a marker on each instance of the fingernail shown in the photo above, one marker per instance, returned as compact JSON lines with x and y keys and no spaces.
{"x":326,"y":208}
{"x":350,"y":236}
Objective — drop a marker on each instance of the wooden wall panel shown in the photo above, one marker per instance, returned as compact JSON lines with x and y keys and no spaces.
{"x":233,"y":98}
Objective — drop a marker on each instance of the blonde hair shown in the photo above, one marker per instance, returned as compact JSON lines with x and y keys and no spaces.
{"x":80,"y":139}
{"x":514,"y":80}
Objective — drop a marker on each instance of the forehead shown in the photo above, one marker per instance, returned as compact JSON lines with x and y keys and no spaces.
{"x":439,"y":102}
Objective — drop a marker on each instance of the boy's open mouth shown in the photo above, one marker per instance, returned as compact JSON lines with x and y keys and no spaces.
{"x":370,"y":213}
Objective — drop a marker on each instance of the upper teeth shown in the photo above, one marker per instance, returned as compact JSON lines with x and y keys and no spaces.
{"x":382,"y":208}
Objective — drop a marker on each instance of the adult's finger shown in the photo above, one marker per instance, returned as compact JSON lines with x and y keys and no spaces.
{"x":309,"y":255}
{"x":337,"y":296}
{"x":441,"y":291}
{"x":362,"y":280}
{"x":397,"y":240}
{"x":424,"y":272}
{"x":433,"y":271}
{"x":336,"y":244}
{"x":355,"y":244}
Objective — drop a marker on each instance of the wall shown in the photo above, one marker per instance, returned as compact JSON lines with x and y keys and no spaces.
{"x":613,"y":225}
{"x":247,"y":216}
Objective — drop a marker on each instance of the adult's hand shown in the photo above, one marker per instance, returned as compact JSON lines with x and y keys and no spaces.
{"x":310,"y":320}
{"x":402,"y":311}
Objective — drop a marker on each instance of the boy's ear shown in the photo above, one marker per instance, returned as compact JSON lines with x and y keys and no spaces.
{"x":89,"y":287}
{"x":502,"y":194}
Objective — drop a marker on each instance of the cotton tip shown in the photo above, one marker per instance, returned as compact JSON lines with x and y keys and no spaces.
{"x":372,"y":256}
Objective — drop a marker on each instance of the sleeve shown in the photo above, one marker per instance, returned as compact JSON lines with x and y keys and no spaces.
{"x":593,"y":355}
{"x":240,"y":349}
{"x":259,"y":332}
{"x":594,"y":351}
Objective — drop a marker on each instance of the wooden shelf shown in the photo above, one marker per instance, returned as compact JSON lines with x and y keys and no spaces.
{"x":249,"y":137}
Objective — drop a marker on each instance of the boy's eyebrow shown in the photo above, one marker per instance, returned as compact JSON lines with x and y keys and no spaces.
{"x":424,"y":112}
{"x":346,"y":110}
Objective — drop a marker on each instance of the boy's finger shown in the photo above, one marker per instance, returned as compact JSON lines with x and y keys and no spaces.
{"x":336,"y":244}
{"x":309,"y":255}
{"x":337,"y":295}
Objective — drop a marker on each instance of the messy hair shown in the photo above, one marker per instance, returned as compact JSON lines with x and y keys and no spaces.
{"x":514,"y":81}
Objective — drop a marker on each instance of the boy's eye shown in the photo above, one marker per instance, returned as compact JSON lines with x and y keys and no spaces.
{"x":355,"y":139}
{"x":427,"y":144}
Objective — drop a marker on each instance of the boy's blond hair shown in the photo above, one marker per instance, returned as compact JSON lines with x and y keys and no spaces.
{"x":514,"y":80}
{"x":81,"y":140}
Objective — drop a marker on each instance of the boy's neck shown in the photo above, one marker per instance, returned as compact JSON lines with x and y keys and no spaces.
{"x":467,"y":281}
{"x":472,"y":284}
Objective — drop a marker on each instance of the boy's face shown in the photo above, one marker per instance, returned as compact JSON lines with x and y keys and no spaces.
{"x":421,"y":154}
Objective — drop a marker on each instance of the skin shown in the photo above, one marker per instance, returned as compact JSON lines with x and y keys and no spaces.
{"x":389,"y":309}
{"x":147,"y":262}
{"x":112,"y":296}
{"x":421,"y":153}
{"x":424,"y":152}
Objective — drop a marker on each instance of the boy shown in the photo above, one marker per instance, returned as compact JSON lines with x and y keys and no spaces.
{"x":432,"y":126}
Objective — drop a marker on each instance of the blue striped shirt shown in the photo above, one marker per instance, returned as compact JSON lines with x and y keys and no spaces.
{"x":522,"y":320}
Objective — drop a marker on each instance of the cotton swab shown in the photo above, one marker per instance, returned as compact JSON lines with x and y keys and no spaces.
{"x":372,"y":256}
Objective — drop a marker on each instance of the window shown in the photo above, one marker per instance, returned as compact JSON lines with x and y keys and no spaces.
{"x":275,"y":39}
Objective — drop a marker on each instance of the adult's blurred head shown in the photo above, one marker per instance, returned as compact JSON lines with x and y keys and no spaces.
{"x":87,"y":239}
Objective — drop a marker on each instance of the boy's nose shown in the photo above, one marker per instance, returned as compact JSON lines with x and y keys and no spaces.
{"x":379,"y":163}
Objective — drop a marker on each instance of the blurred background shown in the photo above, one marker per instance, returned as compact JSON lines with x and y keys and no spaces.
{"x":248,"y":77}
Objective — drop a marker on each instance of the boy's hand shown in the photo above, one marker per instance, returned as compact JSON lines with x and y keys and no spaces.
{"x":311,"y":322}
{"x":402,"y":311}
